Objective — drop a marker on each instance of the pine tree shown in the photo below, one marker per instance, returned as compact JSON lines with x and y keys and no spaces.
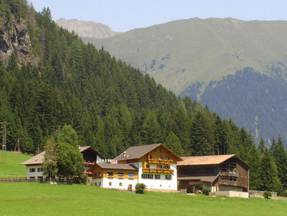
{"x":174,"y":144}
{"x":201,"y":136}
{"x":280,"y":155}
{"x":268,"y":174}
{"x":221,"y":145}
{"x":151,"y":130}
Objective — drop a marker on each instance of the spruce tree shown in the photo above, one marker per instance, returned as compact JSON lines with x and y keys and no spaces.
{"x":280,"y":156}
{"x":201,"y":136}
{"x":174,"y":144}
{"x":268,"y":174}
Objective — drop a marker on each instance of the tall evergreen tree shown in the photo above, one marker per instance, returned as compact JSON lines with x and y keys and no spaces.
{"x":280,"y":156}
{"x":201,"y":136}
{"x":268,"y":174}
{"x":174,"y":144}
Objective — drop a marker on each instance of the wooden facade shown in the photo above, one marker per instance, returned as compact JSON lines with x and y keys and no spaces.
{"x":231,"y":174}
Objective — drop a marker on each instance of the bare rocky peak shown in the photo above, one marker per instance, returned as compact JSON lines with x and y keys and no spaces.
{"x":87,"y":29}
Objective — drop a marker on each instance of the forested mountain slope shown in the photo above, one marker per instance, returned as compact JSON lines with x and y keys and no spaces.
{"x":190,"y":56}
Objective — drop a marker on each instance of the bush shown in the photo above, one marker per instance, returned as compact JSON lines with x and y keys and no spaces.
{"x":140,"y":188}
{"x":205,"y":190}
{"x":267,"y":195}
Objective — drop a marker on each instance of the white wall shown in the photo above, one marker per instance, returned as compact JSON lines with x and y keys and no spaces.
{"x":162,"y":183}
{"x":36,"y":174}
{"x":115,"y":183}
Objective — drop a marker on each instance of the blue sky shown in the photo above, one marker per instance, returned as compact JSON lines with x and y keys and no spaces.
{"x":123,"y":15}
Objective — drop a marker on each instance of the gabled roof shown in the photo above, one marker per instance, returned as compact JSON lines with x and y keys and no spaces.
{"x":137,"y":152}
{"x":205,"y":160}
{"x":115,"y":166}
{"x":35,"y":160}
{"x":84,"y":148}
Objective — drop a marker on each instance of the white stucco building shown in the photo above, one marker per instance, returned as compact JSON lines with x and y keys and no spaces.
{"x":153,"y":165}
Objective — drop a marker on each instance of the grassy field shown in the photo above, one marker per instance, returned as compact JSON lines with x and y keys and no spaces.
{"x":10,"y":164}
{"x":34,"y":199}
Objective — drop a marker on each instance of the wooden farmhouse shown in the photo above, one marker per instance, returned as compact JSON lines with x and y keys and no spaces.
{"x":219,"y":172}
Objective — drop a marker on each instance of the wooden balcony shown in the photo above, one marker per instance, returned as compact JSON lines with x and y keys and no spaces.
{"x":157,"y":171}
{"x":231,"y":174}
{"x":160,"y":161}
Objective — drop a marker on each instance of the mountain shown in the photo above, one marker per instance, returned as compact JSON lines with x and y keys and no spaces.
{"x":204,"y":58}
{"x":60,"y":80}
{"x":87,"y":29}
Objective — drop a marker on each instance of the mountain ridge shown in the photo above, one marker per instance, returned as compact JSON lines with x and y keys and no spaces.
{"x":87,"y":29}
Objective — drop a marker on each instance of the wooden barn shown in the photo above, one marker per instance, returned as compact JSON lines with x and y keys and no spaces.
{"x":221,"y":173}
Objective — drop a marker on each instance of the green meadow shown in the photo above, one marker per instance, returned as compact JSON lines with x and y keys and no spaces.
{"x":10,"y":164}
{"x":34,"y":199}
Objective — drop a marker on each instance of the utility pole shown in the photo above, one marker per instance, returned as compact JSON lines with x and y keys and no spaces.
{"x":4,"y":135}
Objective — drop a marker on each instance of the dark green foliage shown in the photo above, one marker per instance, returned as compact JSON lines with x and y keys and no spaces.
{"x":62,"y":156}
{"x":140,"y":188}
{"x":174,"y":144}
{"x":205,"y":190}
{"x":280,"y":155}
{"x":267,"y":195}
{"x":268,"y":174}
{"x":202,"y":142}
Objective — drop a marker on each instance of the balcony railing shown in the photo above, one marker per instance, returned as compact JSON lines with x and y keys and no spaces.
{"x":233,"y":174}
{"x":160,"y":161}
{"x":157,"y":171}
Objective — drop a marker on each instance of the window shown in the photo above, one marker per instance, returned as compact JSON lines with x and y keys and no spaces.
{"x":110,"y":174}
{"x":40,"y":169}
{"x":110,"y":183}
{"x":157,"y":176}
{"x":147,"y":176}
{"x":130,"y":175}
{"x":31,"y":170}
{"x":120,"y":184}
{"x":121,"y":175}
{"x":168,"y":177}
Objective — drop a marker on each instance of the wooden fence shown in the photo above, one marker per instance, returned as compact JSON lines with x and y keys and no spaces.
{"x":14,"y":179}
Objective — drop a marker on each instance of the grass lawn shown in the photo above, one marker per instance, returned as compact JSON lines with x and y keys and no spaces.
{"x":34,"y":199}
{"x":10,"y":164}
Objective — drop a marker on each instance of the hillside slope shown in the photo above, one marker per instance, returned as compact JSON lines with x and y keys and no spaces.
{"x":187,"y":56}
{"x":10,"y":164}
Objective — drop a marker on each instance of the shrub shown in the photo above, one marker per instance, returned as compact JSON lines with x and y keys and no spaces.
{"x":205,"y":190}
{"x":140,"y":188}
{"x":267,"y":195}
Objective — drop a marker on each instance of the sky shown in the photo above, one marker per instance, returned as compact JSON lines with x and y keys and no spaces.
{"x":123,"y":15}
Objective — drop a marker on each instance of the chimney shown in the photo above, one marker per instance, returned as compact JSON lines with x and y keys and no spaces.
{"x":125,"y":155}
